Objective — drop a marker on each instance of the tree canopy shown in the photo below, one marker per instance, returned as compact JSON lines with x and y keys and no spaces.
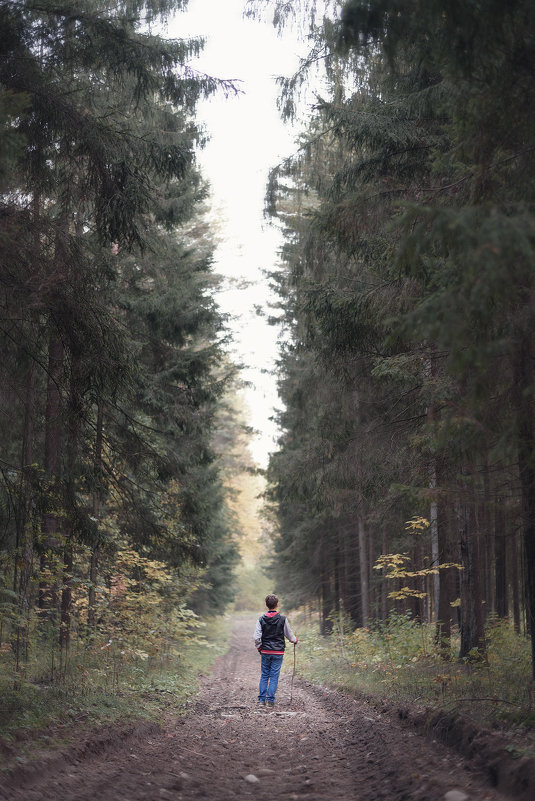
{"x":407,"y":287}
{"x":113,"y":360}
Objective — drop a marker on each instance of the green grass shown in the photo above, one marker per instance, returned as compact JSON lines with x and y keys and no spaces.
{"x":398,"y":661}
{"x":94,"y":693}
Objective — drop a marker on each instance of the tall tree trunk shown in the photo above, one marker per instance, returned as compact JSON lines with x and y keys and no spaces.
{"x":25,"y":551}
{"x":525,"y":423}
{"x":325,"y":583}
{"x":52,"y":465}
{"x":421,"y":584}
{"x":515,"y":582}
{"x":500,"y":551}
{"x":472,"y":631}
{"x":361,"y":532}
{"x":372,"y":601}
{"x":48,"y":589}
{"x":429,"y":371}
{"x":363,"y":560}
{"x":341,"y":547}
{"x":414,"y":604}
{"x":66,"y":593}
{"x":353,"y":582}
{"x":97,"y":501}
{"x":487,"y":543}
{"x":443,"y":623}
{"x":93,"y":580}
{"x":73,"y":430}
{"x":325,"y":622}
{"x":478,"y":593}
{"x":25,"y":542}
{"x":337,"y":568}
{"x":435,"y":544}
{"x":384,"y":581}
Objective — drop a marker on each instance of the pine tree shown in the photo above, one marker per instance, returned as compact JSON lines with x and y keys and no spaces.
{"x":410,"y":270}
{"x":112,"y":338}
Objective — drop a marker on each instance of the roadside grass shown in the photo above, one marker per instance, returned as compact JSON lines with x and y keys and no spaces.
{"x":398,"y":661}
{"x":100,"y":689}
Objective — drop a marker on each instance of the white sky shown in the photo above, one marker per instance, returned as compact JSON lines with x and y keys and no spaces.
{"x":247,"y":138}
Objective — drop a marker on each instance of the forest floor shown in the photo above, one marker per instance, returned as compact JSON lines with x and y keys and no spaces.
{"x":324,"y":745}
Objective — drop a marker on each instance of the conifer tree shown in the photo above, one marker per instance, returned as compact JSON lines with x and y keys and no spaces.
{"x":111,"y":336}
{"x":473,"y":238}
{"x":410,"y":269}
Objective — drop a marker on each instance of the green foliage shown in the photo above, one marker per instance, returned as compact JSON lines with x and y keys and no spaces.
{"x":397,"y":659}
{"x":398,"y":566}
{"x":114,"y":514}
{"x":407,"y":287}
{"x":101,"y":686}
{"x":252,"y":587}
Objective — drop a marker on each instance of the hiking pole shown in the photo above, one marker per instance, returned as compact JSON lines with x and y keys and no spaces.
{"x":293,"y":676}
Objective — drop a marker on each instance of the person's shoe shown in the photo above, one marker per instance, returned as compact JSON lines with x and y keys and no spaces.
{"x":270,"y":704}
{"x":261,"y":703}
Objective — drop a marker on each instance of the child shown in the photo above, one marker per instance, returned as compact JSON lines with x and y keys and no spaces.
{"x":269,"y":634}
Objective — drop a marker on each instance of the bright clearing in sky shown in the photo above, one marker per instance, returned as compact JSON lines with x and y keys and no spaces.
{"x":247,"y":138}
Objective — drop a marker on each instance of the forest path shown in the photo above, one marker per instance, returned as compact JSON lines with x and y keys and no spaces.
{"x":325,"y":746}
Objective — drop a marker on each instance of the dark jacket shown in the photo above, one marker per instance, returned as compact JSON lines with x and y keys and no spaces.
{"x":273,"y":632}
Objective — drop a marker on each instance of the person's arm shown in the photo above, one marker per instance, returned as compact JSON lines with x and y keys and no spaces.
{"x":258,"y":635}
{"x":288,"y":633}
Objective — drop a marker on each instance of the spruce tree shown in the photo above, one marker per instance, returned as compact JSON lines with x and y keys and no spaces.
{"x":117,"y":329}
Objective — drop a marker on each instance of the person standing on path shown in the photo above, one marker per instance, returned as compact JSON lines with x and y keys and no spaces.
{"x":269,"y":638}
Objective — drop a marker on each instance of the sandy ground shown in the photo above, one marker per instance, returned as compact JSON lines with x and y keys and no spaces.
{"x":324,"y":745}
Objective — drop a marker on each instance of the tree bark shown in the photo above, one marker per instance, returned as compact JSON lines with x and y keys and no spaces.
{"x":97,"y":501}
{"x":515,"y":583}
{"x":326,"y":590}
{"x":525,"y":424}
{"x":363,"y":560}
{"x":429,"y":371}
{"x":352,"y":583}
{"x":24,"y":537}
{"x":52,"y":465}
{"x":487,"y":541}
{"x":372,"y":601}
{"x":478,"y":593}
{"x":73,"y":429}
{"x":443,"y":623}
{"x":326,"y":621}
{"x":472,"y":631}
{"x":500,"y":550}
{"x":384,"y":588}
{"x":435,"y":544}
{"x":66,"y":594}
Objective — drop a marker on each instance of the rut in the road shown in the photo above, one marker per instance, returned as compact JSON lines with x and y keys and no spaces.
{"x":326,"y":746}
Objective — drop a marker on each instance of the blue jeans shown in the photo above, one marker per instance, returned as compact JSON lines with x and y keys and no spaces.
{"x":269,"y":676}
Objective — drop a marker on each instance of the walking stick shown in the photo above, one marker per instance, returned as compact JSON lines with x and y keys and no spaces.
{"x":293,"y":676}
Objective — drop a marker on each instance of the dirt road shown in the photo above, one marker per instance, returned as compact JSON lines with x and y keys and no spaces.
{"x":325,"y":746}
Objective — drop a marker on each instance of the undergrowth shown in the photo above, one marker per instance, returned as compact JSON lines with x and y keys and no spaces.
{"x":101,"y":689}
{"x":398,"y":660}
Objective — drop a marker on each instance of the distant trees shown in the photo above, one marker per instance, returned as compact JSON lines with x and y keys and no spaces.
{"x":408,"y":289}
{"x":111,"y":342}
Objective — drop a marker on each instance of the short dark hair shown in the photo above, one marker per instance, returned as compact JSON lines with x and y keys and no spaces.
{"x":271,"y":601}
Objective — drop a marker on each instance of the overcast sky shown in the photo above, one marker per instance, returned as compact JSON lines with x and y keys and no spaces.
{"x":247,"y":138}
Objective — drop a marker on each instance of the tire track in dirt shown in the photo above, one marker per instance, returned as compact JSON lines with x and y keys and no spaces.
{"x":325,"y":746}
